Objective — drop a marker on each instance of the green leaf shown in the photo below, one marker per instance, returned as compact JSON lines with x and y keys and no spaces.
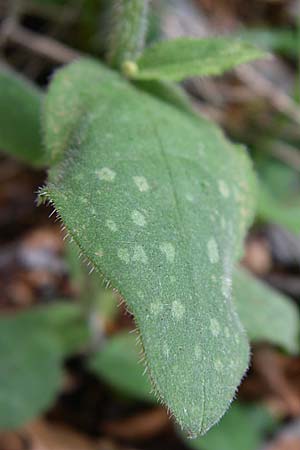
{"x":266,"y":314}
{"x":187,"y":57}
{"x":20,"y":104}
{"x":272,"y":210}
{"x":64,"y":116}
{"x":280,"y":40}
{"x":242,"y":428}
{"x":167,"y":92}
{"x":117,"y":363}
{"x":32,"y":347}
{"x":279,"y":193}
{"x":159,"y":204}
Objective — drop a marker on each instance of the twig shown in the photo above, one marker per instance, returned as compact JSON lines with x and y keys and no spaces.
{"x":266,"y":89}
{"x":286,"y":153}
{"x":193,"y":23}
{"x":45,"y":46}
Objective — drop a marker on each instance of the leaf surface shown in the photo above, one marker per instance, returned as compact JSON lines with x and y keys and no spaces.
{"x":177,"y":59}
{"x":242,"y":428}
{"x":20,"y":111}
{"x":159,"y":204}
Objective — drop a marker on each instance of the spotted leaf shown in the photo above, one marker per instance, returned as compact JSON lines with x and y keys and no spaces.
{"x":158,"y":202}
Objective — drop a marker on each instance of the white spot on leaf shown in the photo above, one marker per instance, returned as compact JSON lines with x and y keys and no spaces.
{"x":178,"y":310}
{"x":213,"y":252}
{"x":99,"y":253}
{"x":190,"y":198}
{"x":218,"y":365}
{"x":166,"y":350}
{"x":123,"y":254}
{"x":111,"y":225}
{"x":215,"y":327}
{"x":156,"y":308}
{"x":139,"y":254}
{"x":226,"y":286}
{"x":198,"y":351}
{"x":106,"y":174}
{"x":223,"y":188}
{"x":138,"y":218}
{"x":141,"y":183}
{"x":169,"y":250}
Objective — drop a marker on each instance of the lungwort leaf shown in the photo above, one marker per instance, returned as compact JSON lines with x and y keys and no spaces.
{"x":181,"y":58}
{"x":242,"y":428}
{"x":159,"y":204}
{"x":20,"y":111}
{"x":266,"y":314}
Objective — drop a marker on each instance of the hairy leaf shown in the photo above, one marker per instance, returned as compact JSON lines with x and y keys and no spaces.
{"x":242,"y":428}
{"x":266,"y":314}
{"x":32,"y":347}
{"x":20,"y":104}
{"x":181,"y":58}
{"x":159,"y":204}
{"x":168,"y":92}
{"x":117,"y":363}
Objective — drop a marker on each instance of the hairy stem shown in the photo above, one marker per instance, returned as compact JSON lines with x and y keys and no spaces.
{"x":128,"y":29}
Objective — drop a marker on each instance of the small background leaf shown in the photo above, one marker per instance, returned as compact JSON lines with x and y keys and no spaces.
{"x":20,"y":112}
{"x":32,"y":347}
{"x":266,"y":314}
{"x":283,"y":41}
{"x":279,"y":192}
{"x":117,"y":363}
{"x":187,"y":57}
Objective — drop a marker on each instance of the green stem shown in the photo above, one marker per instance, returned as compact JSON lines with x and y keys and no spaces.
{"x":129,"y":25}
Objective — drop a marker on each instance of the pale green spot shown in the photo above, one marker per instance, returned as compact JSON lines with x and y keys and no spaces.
{"x":123,"y":254}
{"x":166,"y":350}
{"x":111,"y":225}
{"x":138,"y":218}
{"x":198,"y":351}
{"x":223,"y":188}
{"x":226,"y":286}
{"x":156,"y":308}
{"x":218,"y":365}
{"x":139,"y":254}
{"x":213,"y":252}
{"x":141,"y":183}
{"x":190,"y":198}
{"x":178,"y":310}
{"x":106,"y":174}
{"x":169,"y":250}
{"x":215,"y":327}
